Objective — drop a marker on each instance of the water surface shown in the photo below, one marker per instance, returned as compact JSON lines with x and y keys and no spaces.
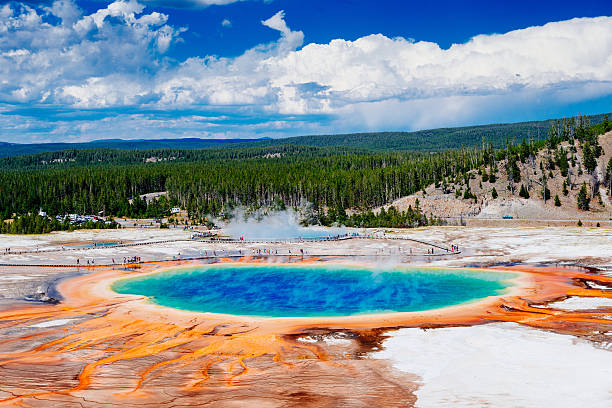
{"x":329,"y":290}
{"x":98,"y":244}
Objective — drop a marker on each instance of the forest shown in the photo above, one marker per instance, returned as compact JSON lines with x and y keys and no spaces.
{"x":211,"y":182}
{"x":36,"y":224}
{"x":215,"y":185}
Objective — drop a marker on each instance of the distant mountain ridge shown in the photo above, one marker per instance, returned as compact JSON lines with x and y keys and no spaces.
{"x":422,"y":140}
{"x":432,"y":139}
{"x":18,"y":149}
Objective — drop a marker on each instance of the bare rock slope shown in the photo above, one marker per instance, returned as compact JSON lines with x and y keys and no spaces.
{"x":449,"y":202}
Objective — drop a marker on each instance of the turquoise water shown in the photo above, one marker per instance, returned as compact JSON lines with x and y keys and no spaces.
{"x":282,"y":291}
{"x":97,"y":244}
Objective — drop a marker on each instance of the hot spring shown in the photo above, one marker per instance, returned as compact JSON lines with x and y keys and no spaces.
{"x":98,"y":244}
{"x":301,"y":291}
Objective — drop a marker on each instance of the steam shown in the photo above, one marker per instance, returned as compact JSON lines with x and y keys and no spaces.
{"x":276,"y":225}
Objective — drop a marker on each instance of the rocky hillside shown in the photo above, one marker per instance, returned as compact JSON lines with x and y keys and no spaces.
{"x":481,"y":196}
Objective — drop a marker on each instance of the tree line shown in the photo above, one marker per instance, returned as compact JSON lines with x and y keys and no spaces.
{"x":36,"y":224}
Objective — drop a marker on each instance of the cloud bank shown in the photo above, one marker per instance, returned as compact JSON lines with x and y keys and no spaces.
{"x":116,"y":58}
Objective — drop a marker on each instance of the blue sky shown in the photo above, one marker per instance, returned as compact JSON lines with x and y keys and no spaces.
{"x":84,"y":70}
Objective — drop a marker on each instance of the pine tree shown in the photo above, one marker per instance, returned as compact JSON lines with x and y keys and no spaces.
{"x":562,"y":161}
{"x":557,"y":201}
{"x":545,"y":190}
{"x":494,"y":193}
{"x":513,"y":171}
{"x":589,"y":158}
{"x":523,"y":192}
{"x":583,"y":198}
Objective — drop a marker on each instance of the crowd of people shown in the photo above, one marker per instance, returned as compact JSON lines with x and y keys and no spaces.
{"x":126,"y":260}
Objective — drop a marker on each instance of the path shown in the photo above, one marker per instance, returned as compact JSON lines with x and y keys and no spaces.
{"x":239,"y":253}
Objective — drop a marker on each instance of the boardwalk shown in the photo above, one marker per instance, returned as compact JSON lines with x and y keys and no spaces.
{"x":260,"y":248}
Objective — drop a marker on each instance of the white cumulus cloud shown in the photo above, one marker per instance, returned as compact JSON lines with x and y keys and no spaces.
{"x":290,"y":40}
{"x":118,"y":44}
{"x":376,"y":67}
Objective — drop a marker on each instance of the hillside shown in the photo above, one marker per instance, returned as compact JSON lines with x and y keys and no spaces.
{"x":433,"y":139}
{"x":422,"y":141}
{"x":449,"y":202}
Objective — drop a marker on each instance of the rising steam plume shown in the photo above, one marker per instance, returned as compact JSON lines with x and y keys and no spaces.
{"x":276,"y":225}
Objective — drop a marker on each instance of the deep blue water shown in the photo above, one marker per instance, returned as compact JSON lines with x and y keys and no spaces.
{"x":281,"y":291}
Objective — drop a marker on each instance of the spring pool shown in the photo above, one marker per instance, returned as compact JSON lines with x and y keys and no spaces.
{"x":322,"y":290}
{"x":98,"y":244}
